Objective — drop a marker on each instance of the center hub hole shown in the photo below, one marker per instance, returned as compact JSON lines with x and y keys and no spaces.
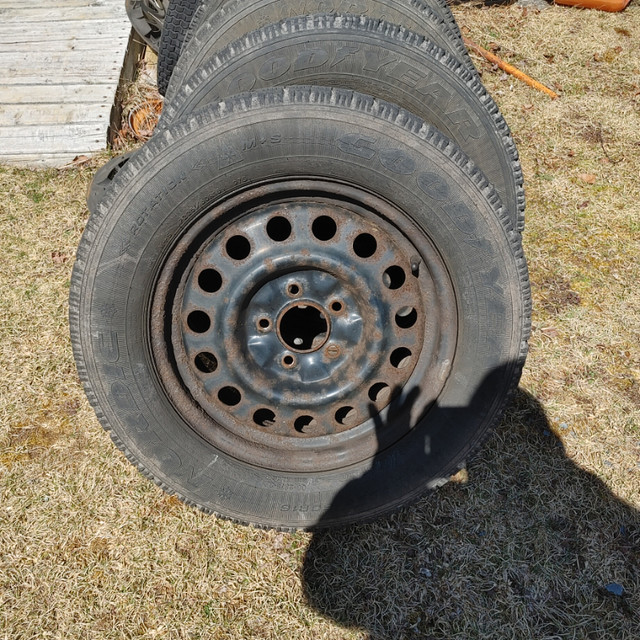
{"x":304,"y":327}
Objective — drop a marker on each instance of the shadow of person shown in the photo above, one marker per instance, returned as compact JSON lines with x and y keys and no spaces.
{"x":530,"y":546}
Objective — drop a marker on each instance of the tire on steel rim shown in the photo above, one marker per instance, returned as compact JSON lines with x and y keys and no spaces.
{"x":239,"y":17}
{"x":380,"y":337}
{"x":372,"y":57}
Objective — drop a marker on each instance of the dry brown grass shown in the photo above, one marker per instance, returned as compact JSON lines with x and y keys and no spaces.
{"x":521,"y":546}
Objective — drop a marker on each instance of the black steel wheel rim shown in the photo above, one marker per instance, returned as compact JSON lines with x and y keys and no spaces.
{"x":303,"y":325}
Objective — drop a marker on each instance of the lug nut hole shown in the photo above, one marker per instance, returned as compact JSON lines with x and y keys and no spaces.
{"x":365,"y":245}
{"x":406,"y":317}
{"x":264,"y":417}
{"x":229,"y":396}
{"x":394,"y":277}
{"x":400,"y":357}
{"x":206,"y":362}
{"x":264,"y":324}
{"x":294,"y":289}
{"x":210,"y":280}
{"x":278,"y":228}
{"x":198,"y":322}
{"x":336,"y":306}
{"x":238,"y":247}
{"x":288,"y":361}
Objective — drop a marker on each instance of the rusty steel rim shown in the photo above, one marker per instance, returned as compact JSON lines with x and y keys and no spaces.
{"x":303,"y":325}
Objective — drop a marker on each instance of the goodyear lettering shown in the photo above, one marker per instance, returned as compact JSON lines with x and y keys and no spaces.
{"x":376,"y":60}
{"x":407,"y":74}
{"x":240,"y":83}
{"x":310,"y":58}
{"x":434,"y":91}
{"x":343,"y":53}
{"x":464,"y":124}
{"x":274,"y":68}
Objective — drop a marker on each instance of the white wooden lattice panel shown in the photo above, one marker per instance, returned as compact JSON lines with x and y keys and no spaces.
{"x":60,"y":63}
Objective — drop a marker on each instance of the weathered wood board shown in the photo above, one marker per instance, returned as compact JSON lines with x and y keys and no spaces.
{"x":60,"y":64}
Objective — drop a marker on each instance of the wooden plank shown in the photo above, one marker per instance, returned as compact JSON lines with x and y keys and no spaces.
{"x":53,"y":114}
{"x":39,"y":160}
{"x":55,"y":15}
{"x":102,"y":43}
{"x":72,"y":138}
{"x":95,"y":76}
{"x":61,"y":4}
{"x":68,"y":93}
{"x":52,"y":69}
{"x":60,"y":64}
{"x":41,"y":31}
{"x":28,"y":62}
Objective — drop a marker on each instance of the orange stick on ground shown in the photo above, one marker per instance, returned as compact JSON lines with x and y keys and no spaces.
{"x":509,"y":68}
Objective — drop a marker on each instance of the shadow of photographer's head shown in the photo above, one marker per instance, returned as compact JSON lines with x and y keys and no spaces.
{"x":522,"y":544}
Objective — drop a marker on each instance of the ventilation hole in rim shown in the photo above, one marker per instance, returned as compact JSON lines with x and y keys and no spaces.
{"x":400,"y":357}
{"x":198,"y":321}
{"x":406,"y":317}
{"x":394,"y":277}
{"x":379,"y":392}
{"x":264,"y":417}
{"x":346,"y":415}
{"x":209,"y":280}
{"x":278,"y":228}
{"x":302,"y":422}
{"x":324,"y":228}
{"x":229,"y":396}
{"x":206,"y":362}
{"x":238,"y":247}
{"x":365,"y":245}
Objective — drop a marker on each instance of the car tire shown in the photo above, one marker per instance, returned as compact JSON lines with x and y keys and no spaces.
{"x":331,"y":204}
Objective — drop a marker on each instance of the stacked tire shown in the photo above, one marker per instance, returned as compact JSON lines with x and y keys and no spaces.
{"x":304,"y":301}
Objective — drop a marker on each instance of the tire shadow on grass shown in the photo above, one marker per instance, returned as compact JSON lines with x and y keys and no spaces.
{"x":529,"y":546}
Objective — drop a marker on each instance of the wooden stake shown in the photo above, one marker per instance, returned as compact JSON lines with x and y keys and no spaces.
{"x":508,"y":68}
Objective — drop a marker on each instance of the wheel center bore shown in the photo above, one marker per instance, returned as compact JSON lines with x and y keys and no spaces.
{"x":303,"y":327}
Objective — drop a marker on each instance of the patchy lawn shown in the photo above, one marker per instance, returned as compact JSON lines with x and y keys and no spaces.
{"x":533,"y":541}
